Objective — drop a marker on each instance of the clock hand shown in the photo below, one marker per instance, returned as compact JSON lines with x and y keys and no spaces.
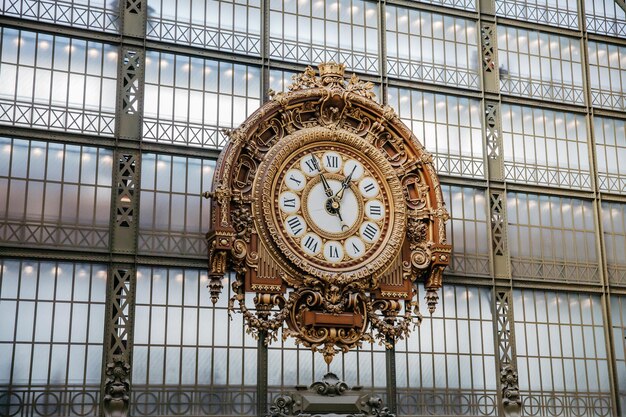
{"x":344,"y":185}
{"x":316,"y":165}
{"x":327,"y":189}
{"x":343,"y":224}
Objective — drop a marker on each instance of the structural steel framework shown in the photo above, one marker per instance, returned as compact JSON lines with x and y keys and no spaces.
{"x":502,"y":269}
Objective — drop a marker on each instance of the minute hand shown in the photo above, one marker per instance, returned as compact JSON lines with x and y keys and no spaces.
{"x":344,"y":185}
{"x":327,"y":189}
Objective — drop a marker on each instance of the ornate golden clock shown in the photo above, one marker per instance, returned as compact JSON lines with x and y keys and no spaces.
{"x":329,"y":210}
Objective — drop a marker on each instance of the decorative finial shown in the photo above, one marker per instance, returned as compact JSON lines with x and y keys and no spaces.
{"x":332,"y":73}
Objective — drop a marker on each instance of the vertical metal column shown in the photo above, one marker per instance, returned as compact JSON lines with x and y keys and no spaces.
{"x":597,"y":205}
{"x":120,"y":302}
{"x":510,"y":401}
{"x":118,"y":341}
{"x":262,"y":353}
{"x":392,"y":393}
{"x":261,"y":376}
{"x":390,"y":353}
{"x":506,"y":359}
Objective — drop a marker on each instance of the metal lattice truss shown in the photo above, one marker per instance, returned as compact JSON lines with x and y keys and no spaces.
{"x":126,"y":190}
{"x":493,"y":129}
{"x":498,"y":240}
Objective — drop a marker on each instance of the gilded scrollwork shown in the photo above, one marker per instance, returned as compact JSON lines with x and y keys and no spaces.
{"x":329,"y":310}
{"x":241,"y":217}
{"x":308,"y":79}
{"x":365,"y":89}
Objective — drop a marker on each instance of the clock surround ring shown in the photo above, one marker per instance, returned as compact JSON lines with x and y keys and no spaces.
{"x":376,"y":262}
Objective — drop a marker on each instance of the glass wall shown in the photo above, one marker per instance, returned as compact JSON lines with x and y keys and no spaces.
{"x":614,"y":227}
{"x":552,"y":238}
{"x":189,"y":101}
{"x":467,"y":228}
{"x":607,"y":71}
{"x":51,"y":337}
{"x":618,"y":317}
{"x":432,"y":48}
{"x":448,"y":366}
{"x":560,"y":13}
{"x":315,"y":31}
{"x":182,"y":340}
{"x":531,"y":153}
{"x":230,"y":26}
{"x":58,"y":83}
{"x":540,"y":65}
{"x":545,"y":147}
{"x":605,"y":17}
{"x":56,"y":195}
{"x":448,"y":126}
{"x":173,"y":218}
{"x":97,"y":15}
{"x":561,"y":347}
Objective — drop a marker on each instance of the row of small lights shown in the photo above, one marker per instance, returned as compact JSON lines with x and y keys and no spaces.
{"x":449,"y":292}
{"x":57,"y":270}
{"x":44,"y":45}
{"x":105,"y":159}
{"x":164,"y":63}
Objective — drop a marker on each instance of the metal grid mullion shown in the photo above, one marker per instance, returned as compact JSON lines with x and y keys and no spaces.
{"x":17,"y":66}
{"x":90,"y":304}
{"x":584,"y":347}
{"x":149,"y":308}
{"x":165,"y":341}
{"x":182,"y":322}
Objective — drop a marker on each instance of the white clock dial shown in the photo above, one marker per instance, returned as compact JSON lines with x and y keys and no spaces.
{"x":332,"y":162}
{"x":355,"y":248}
{"x":354,"y":167}
{"x":369,"y":187}
{"x":310,"y":165}
{"x":374,"y":210}
{"x":295,"y":180}
{"x":333,"y":251}
{"x":289,"y":202}
{"x":311,"y":244}
{"x":328,"y":222}
{"x":370,"y":232}
{"x":295,"y":225}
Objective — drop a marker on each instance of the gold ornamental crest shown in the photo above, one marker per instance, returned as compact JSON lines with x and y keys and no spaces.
{"x":330,"y":212}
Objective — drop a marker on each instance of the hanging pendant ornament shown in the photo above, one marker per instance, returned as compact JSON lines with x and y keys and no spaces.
{"x":330,"y":212}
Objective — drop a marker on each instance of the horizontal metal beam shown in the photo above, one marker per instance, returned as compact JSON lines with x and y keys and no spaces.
{"x":606,"y":39}
{"x":535,"y":102}
{"x":55,"y":29}
{"x":538,"y":27}
{"x":55,"y":136}
{"x":449,"y":11}
{"x":557,"y":192}
{"x":432,"y":88}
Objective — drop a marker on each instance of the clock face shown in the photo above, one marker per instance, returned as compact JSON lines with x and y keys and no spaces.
{"x":328,"y":203}
{"x":332,"y":205}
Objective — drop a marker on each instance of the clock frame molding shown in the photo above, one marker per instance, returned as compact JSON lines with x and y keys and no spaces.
{"x":327,"y":311}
